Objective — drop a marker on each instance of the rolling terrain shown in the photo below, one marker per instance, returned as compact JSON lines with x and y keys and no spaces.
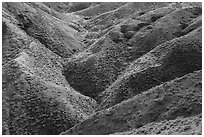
{"x":85,"y":68}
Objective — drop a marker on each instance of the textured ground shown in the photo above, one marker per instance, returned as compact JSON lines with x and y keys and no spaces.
{"x":179,"y":126}
{"x":101,"y":68}
{"x":177,"y":98}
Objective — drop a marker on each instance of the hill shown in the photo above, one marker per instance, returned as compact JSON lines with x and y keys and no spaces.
{"x":36,"y":97}
{"x":179,"y":126}
{"x":121,"y":68}
{"x":181,"y":97}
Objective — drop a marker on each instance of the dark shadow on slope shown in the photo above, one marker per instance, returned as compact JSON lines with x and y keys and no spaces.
{"x":168,"y":101}
{"x":173,"y":62}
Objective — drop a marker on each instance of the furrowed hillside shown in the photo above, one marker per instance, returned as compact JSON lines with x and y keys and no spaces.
{"x":181,"y":97}
{"x":37,"y":98}
{"x":100,"y":68}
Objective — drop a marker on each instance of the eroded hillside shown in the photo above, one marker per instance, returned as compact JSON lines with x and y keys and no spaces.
{"x":101,"y":68}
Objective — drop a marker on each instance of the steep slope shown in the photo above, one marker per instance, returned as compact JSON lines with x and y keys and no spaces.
{"x":180,"y":97}
{"x":99,"y":8}
{"x":123,"y":11}
{"x":179,"y":126}
{"x":78,"y":6}
{"x":55,"y":34}
{"x":39,"y":107}
{"x":167,"y":61}
{"x":92,"y":71}
{"x":67,"y":19}
{"x":36,"y":97}
{"x":101,"y":68}
{"x":58,"y":6}
{"x":103,"y":23}
{"x":100,"y":25}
